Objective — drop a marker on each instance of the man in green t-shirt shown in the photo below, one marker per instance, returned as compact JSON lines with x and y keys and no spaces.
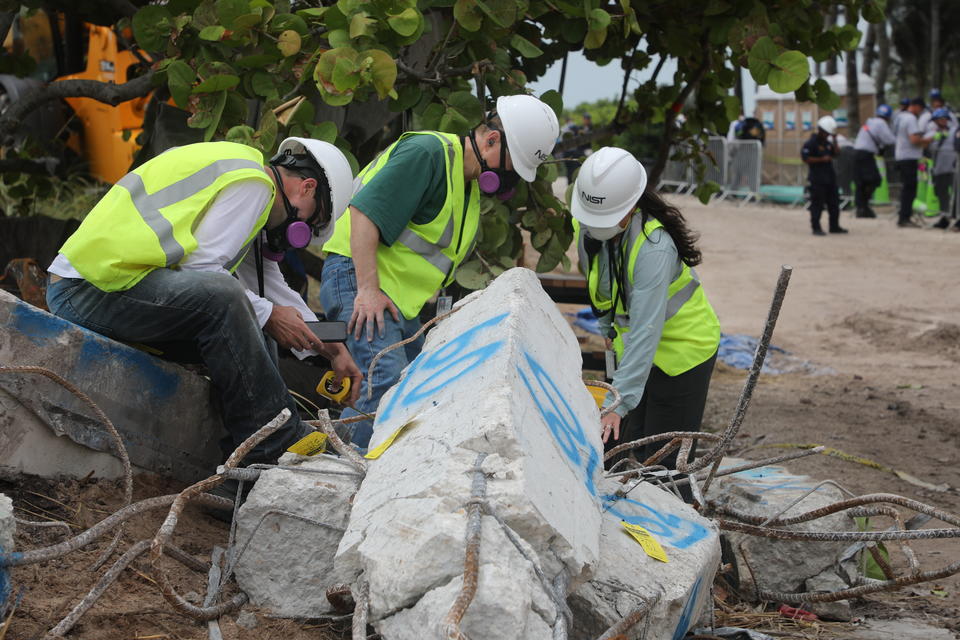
{"x":412,"y":222}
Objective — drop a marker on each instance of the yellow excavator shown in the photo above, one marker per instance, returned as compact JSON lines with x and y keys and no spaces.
{"x":66,"y":48}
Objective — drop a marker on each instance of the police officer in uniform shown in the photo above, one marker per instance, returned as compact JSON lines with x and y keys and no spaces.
{"x":818,"y":153}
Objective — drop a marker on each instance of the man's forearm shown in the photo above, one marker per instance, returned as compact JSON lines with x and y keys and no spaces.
{"x":364,"y":239}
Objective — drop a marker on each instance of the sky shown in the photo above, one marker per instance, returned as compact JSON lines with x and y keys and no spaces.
{"x":587,"y":82}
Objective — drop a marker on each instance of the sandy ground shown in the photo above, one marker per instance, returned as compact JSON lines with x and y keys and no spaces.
{"x":876,"y":311}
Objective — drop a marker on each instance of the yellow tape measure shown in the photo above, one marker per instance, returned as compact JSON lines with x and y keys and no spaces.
{"x":332,"y":388}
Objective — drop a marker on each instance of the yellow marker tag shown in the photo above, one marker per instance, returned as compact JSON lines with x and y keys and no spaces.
{"x":599,"y":394}
{"x":310,"y":445}
{"x":375,"y":453}
{"x":647,"y":541}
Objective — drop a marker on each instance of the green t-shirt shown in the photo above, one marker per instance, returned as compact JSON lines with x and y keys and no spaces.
{"x":411,"y":187}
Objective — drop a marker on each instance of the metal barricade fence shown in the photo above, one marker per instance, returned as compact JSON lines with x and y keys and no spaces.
{"x":744,"y":160}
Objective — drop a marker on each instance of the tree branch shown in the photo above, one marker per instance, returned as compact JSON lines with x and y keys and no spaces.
{"x":665,"y":142}
{"x":626,"y":80}
{"x":106,"y":92}
{"x":438,"y":75}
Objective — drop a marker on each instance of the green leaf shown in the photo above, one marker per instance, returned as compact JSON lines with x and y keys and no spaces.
{"x":874,"y":10}
{"x":706,"y":190}
{"x":467,"y":105}
{"x":551,"y":254}
{"x":151,"y":27}
{"x":247,"y":21}
{"x":453,"y":122}
{"x":229,"y":10}
{"x":826,"y":98}
{"x":595,"y":38}
{"x":573,"y":31}
{"x":598,"y":19}
{"x":470,"y":275}
{"x":760,"y":59}
{"x":430,"y":118}
{"x":361,"y":24}
{"x":313,"y":13}
{"x":526,"y":48}
{"x":180,"y":78}
{"x":467,"y":15}
{"x":716,"y":7}
{"x":213,"y":33}
{"x":288,"y":42}
{"x":554,"y":100}
{"x":406,"y":22}
{"x":790,"y":70}
{"x":383,"y":71}
{"x":848,"y":37}
{"x":326,"y":131}
{"x":339,"y":38}
{"x":218,"y":82}
{"x":407,"y":97}
{"x":284,"y":21}
{"x":262,"y":84}
{"x":266,"y":135}
{"x":242,"y":134}
{"x":257,"y":60}
{"x":216,"y":110}
{"x":346,"y":76}
{"x":501,"y":12}
{"x":731,"y":107}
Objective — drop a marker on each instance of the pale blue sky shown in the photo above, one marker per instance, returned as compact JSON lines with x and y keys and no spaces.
{"x":587,"y":82}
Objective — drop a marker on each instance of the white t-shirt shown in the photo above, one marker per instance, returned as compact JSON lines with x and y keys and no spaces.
{"x":905,"y":149}
{"x":220,"y":237}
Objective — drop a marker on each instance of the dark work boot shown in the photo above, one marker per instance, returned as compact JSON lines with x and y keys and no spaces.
{"x":838,"y":229}
{"x":818,"y":232}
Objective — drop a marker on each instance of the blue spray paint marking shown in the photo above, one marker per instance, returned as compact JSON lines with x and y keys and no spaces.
{"x":669,"y":529}
{"x":556,"y":411}
{"x":146,"y":374}
{"x":686,"y":618}
{"x":431,"y":372}
{"x":563,"y":422}
{"x":38,"y":327}
{"x":4,"y":578}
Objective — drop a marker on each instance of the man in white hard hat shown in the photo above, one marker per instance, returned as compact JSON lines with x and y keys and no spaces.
{"x":818,"y":153}
{"x":638,"y":254}
{"x":171,"y":256}
{"x":413,"y":221}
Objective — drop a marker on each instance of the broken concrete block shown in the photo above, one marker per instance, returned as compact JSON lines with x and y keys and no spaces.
{"x":691,"y":544}
{"x":287,"y":562}
{"x":162,"y":411}
{"x":828,"y":581}
{"x":8,"y":529}
{"x":779,"y":565}
{"x":501,"y":376}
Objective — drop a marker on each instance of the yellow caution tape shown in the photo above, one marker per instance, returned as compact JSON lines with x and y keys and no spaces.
{"x":375,"y":453}
{"x":836,"y":453}
{"x":310,"y":445}
{"x":647,"y":541}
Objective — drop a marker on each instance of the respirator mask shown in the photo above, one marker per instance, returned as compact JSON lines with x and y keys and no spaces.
{"x":601,"y":233}
{"x":500,"y":182}
{"x":294,"y":233}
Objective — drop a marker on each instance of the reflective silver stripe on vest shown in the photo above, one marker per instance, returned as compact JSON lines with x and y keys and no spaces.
{"x":240,"y":255}
{"x":682,"y":296}
{"x":149,"y":205}
{"x":433,"y":253}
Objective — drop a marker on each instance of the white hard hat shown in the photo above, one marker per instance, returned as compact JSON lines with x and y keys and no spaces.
{"x":608,"y":187}
{"x":531,"y":129}
{"x":828,"y":124}
{"x":334,"y":164}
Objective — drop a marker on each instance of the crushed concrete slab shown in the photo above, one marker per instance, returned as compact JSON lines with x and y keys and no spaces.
{"x":287,"y":564}
{"x":162,"y":411}
{"x":902,"y":629}
{"x":8,"y":529}
{"x":780,"y":565}
{"x":692,"y":547}
{"x":829,"y":581}
{"x":502,"y":377}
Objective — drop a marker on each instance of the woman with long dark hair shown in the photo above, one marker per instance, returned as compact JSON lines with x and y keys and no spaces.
{"x":638,"y":254}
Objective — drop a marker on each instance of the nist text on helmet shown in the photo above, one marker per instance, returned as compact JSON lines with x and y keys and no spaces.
{"x":592,"y":199}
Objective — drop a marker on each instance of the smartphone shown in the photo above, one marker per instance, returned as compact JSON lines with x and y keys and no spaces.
{"x":329,"y":330}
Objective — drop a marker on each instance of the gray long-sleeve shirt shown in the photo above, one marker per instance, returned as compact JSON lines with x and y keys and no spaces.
{"x":658,"y":264}
{"x":874,"y":132}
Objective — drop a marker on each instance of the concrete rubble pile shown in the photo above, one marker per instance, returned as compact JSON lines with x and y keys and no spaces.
{"x":788,"y":565}
{"x":8,"y":529}
{"x":498,"y":388}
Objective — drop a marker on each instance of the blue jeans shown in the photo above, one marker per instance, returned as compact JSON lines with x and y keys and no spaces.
{"x":212,"y":311}
{"x":338,"y":290}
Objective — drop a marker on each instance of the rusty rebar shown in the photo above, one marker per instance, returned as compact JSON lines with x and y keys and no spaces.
{"x":617,"y":398}
{"x":623,"y":626}
{"x":397,"y":345}
{"x":837,"y":536}
{"x":349,"y":453}
{"x":450,"y":627}
{"x":669,"y":435}
{"x":106,"y":525}
{"x":165,"y":532}
{"x":361,"y":596}
{"x":862,"y":590}
{"x":42,"y":524}
{"x":119,"y":448}
{"x":110,"y":576}
{"x":715,"y":455}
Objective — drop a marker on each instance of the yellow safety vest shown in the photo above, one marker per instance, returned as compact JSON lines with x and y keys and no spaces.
{"x":424,"y":257}
{"x":147,"y":219}
{"x":691,"y":331}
